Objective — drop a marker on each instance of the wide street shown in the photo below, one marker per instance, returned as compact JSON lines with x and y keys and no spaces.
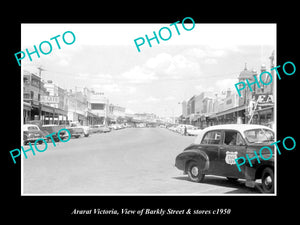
{"x":128,"y":161}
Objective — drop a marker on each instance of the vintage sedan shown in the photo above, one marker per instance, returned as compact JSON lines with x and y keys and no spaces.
{"x":192,"y":131}
{"x":215,"y":149}
{"x":52,"y":128}
{"x":100,"y":128}
{"x":31,"y":133}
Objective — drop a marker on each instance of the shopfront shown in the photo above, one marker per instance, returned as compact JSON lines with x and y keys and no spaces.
{"x":264,"y":112}
{"x":51,"y":115}
{"x":26,"y":112}
{"x":230,"y":116}
{"x":264,"y":116}
{"x":93,"y":119}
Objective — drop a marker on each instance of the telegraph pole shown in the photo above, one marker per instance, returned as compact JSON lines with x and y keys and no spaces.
{"x":40,"y":83}
{"x":40,"y":68}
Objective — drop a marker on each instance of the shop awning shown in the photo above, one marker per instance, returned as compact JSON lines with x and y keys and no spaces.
{"x":50,"y":109}
{"x":47,"y":108}
{"x":27,"y":106}
{"x":228,"y":111}
{"x":60,"y":111}
{"x":266,"y":110}
{"x":89,"y":114}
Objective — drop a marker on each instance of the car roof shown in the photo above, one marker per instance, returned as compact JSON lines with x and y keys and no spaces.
{"x":25,"y":126}
{"x":239,"y":127}
{"x":30,"y":125}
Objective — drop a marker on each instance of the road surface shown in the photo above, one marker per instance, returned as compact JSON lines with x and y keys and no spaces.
{"x":134,"y":161}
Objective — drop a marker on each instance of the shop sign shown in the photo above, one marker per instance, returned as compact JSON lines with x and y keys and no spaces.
{"x":264,"y":100}
{"x":50,"y":99}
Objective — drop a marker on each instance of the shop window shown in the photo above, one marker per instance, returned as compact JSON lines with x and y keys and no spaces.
{"x":26,"y":96}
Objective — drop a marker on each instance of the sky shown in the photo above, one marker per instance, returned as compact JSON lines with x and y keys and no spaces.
{"x":157,"y":79}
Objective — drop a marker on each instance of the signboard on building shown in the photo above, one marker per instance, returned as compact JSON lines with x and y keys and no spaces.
{"x":260,"y":101}
{"x":50,"y":99}
{"x":264,"y":100}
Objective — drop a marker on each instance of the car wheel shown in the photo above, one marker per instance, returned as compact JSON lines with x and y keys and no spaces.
{"x":194,"y":172}
{"x":267,"y":180}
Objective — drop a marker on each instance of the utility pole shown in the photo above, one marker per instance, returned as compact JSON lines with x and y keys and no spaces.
{"x":40,"y":68}
{"x":272,"y":71}
{"x":40,"y":83}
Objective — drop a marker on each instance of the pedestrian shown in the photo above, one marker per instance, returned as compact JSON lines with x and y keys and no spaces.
{"x":184,"y":130}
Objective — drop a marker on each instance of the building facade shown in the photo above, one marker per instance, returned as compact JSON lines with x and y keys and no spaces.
{"x":116,"y":113}
{"x":99,"y":105}
{"x":255,"y":106}
{"x":33,"y":89}
{"x":47,"y":103}
{"x":56,"y":103}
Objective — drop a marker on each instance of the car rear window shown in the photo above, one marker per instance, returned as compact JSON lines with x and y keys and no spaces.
{"x":32,"y":128}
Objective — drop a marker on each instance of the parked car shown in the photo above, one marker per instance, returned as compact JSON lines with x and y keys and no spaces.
{"x":192,"y":130}
{"x":172,"y":128}
{"x":215,"y":149}
{"x":100,"y":128}
{"x":76,"y":131}
{"x":113,"y":127}
{"x":94,"y":129}
{"x":86,"y":129}
{"x":180,"y":128}
{"x":117,"y":126}
{"x":31,"y":133}
{"x":141,"y":125}
{"x":104,"y":129}
{"x":51,"y":128}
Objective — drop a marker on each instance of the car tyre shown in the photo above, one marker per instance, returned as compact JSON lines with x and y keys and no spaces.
{"x":194,"y":172}
{"x":267,"y":180}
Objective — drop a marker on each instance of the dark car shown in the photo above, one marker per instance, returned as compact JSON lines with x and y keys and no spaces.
{"x":76,"y":131}
{"x":31,"y":133}
{"x":49,"y":129}
{"x":215,"y":149}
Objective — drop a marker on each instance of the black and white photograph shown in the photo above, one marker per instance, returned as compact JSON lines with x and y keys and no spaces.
{"x":187,"y":114}
{"x":149,"y":109}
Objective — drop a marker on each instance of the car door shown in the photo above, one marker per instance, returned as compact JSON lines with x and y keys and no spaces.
{"x":210,"y":144}
{"x":232,"y":146}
